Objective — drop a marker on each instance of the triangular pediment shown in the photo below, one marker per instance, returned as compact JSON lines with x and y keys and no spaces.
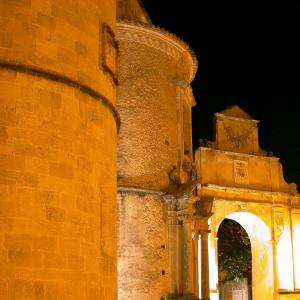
{"x":236,"y":112}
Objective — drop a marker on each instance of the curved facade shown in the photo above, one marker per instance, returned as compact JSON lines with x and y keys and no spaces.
{"x":58,"y":129}
{"x":155,"y":70}
{"x":154,"y":100}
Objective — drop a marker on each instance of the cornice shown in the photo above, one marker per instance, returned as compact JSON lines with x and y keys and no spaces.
{"x":61,"y":78}
{"x":241,"y":190}
{"x":138,"y":190}
{"x":158,"y":38}
{"x":240,"y":154}
{"x":221,"y":116}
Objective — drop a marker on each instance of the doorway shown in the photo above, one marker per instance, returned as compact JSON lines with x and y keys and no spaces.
{"x":234,"y":262}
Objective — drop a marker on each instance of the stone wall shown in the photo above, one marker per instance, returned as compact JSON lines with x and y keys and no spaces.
{"x":155,"y":70}
{"x":57,"y":150}
{"x":143,"y":242}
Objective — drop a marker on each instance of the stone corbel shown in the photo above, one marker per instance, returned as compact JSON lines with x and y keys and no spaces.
{"x":203,"y":210}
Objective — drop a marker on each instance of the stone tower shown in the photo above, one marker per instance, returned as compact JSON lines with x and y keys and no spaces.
{"x":154,"y":100}
{"x":58,"y":126}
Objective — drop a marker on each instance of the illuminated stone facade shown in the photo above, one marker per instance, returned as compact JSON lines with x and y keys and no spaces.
{"x":245,"y":183}
{"x":70,"y":75}
{"x":58,"y":127}
{"x":154,"y":99}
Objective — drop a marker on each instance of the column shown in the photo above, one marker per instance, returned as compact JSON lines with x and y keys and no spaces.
{"x":187,"y":256}
{"x":204,"y":265}
{"x":185,"y":215}
{"x":172,"y":244}
{"x":195,"y":263}
{"x":203,"y":211}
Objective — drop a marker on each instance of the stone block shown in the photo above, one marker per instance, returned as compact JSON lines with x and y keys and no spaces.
{"x":46,"y":21}
{"x":46,"y":198}
{"x":17,"y":241}
{"x":3,"y":289}
{"x":61,"y":170}
{"x":8,"y":75}
{"x":69,"y":246}
{"x":46,"y":243}
{"x":55,"y":214}
{"x":75,"y":262}
{"x":3,"y":134}
{"x":67,"y":57}
{"x":81,"y":49}
{"x":21,"y":258}
{"x":22,"y":289}
{"x":11,"y":162}
{"x":54,"y":260}
{"x":5,"y":39}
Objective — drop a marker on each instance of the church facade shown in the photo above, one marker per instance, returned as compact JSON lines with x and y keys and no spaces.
{"x":101,"y":193}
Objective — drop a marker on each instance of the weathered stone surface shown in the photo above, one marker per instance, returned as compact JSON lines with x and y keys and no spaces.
{"x":57,"y":151}
{"x":154,"y":150}
{"x":247,"y":185}
{"x":142,"y":247}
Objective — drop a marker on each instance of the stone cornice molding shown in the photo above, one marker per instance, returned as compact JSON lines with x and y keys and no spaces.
{"x":238,"y":154}
{"x":158,"y":38}
{"x":63,"y":79}
{"x":220,"y":116}
{"x":242,"y":190}
{"x":131,"y":189}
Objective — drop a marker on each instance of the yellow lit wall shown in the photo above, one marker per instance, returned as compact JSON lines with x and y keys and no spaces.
{"x":284,"y":255}
{"x":58,"y":128}
{"x":213,"y":267}
{"x":261,"y":248}
{"x":296,"y":245}
{"x":284,"y":261}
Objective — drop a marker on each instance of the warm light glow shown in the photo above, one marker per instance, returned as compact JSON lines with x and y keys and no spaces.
{"x":214,"y":296}
{"x":213,"y":266}
{"x":284,"y":261}
{"x":296,"y":238}
{"x":199,"y":266}
{"x":253,"y":225}
{"x":262,"y":253}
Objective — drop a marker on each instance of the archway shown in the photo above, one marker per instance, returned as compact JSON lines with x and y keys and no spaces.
{"x":234,"y":261}
{"x":262,"y":253}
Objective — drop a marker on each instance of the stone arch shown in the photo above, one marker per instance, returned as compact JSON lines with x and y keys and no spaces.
{"x":262,"y":252}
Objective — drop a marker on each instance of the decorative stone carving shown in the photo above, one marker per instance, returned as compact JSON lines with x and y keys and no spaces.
{"x":109,"y":52}
{"x":241,"y":174}
{"x":159,"y":39}
{"x":237,"y":136}
{"x":203,"y":207}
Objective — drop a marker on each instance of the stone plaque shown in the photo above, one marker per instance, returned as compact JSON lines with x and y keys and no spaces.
{"x":109,"y":52}
{"x":241,"y":175}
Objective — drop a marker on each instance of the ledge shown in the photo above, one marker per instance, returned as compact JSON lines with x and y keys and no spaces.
{"x":56,"y":77}
{"x":172,"y":43}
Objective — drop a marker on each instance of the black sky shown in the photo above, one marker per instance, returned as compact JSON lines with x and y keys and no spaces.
{"x":248,"y":55}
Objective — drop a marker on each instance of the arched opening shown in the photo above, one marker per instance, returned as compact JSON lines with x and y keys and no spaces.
{"x":234,"y":261}
{"x":261,"y":254}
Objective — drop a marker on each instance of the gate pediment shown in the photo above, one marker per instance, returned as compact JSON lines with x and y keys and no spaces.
{"x":234,"y":158}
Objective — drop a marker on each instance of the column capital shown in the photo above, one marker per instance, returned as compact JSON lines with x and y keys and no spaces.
{"x":204,"y":233}
{"x":171,"y":202}
{"x":203,"y":207}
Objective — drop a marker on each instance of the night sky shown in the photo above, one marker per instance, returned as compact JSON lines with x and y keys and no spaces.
{"x":248,"y":55}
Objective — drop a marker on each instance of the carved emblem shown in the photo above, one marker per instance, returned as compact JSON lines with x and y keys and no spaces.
{"x":109,"y":51}
{"x":237,"y":136}
{"x":241,"y":175}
